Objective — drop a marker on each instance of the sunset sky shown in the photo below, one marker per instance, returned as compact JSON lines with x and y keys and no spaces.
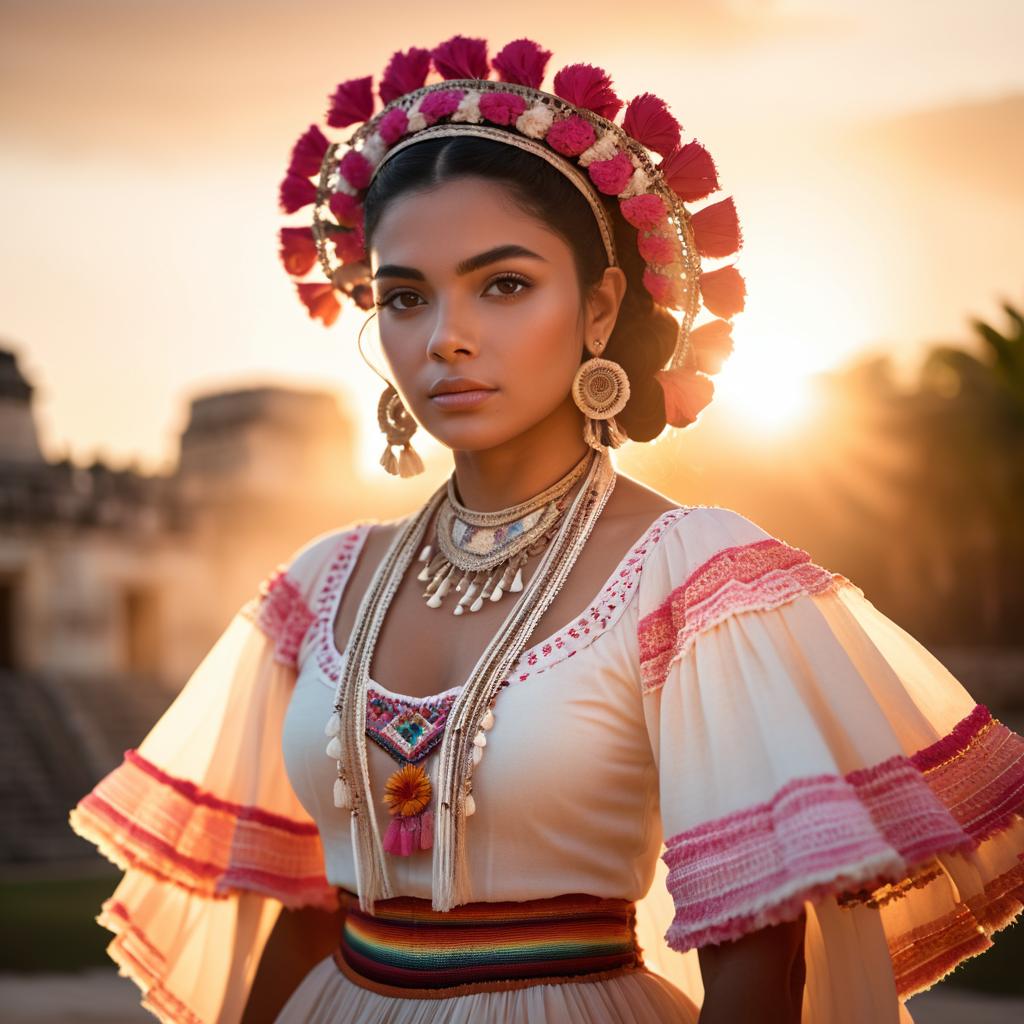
{"x":875,"y":152}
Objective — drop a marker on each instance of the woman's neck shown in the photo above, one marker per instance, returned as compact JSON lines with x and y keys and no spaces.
{"x":496,"y":478}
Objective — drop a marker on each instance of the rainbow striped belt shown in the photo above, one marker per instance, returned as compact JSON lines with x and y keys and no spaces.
{"x":407,"y":949}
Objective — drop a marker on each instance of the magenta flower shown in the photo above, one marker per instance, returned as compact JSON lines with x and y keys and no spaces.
{"x":501,"y":107}
{"x":436,"y":105}
{"x":646,"y":212}
{"x":355,"y":169}
{"x":611,"y":176}
{"x":656,"y":248}
{"x":571,"y":135}
{"x":393,"y":125}
{"x":347,"y":210}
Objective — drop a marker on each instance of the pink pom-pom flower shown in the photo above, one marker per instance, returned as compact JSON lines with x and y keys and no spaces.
{"x":647,"y":119}
{"x":690,"y":172}
{"x":320,"y":300}
{"x":347,"y":210}
{"x":352,"y":102}
{"x":661,"y":287}
{"x":501,"y":107}
{"x":461,"y":57}
{"x":716,"y":229}
{"x":440,"y":104}
{"x":723,"y":291}
{"x":298,"y":250}
{"x":393,"y":125}
{"x":571,"y":135}
{"x":523,"y":62}
{"x":355,"y":169}
{"x":611,"y":176}
{"x":656,"y":248}
{"x":646,"y":212}
{"x":296,"y":192}
{"x":308,"y":152}
{"x":406,"y":72}
{"x":686,"y":392}
{"x":589,"y":87}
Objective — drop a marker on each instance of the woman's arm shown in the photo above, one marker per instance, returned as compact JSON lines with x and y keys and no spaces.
{"x":759,"y":976}
{"x":300,"y":939}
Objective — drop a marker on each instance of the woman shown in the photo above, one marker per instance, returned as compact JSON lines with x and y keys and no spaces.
{"x":839,"y":820}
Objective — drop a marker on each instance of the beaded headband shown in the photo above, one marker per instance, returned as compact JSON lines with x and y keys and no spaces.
{"x":572,"y":129}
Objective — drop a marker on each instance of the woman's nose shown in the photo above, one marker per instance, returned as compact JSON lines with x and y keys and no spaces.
{"x":452,"y":336}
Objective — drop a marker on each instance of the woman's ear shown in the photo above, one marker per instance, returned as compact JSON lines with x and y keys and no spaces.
{"x":603,"y":304}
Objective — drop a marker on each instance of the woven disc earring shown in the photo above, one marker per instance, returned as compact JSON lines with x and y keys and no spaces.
{"x":398,"y":426}
{"x":600,"y":390}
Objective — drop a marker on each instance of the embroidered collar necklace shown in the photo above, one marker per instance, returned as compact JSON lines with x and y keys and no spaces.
{"x":490,"y":549}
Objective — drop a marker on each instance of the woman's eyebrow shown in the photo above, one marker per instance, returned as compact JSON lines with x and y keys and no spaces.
{"x":467,"y":266}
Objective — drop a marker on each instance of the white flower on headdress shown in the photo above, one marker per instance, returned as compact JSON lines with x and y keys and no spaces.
{"x":535,"y":121}
{"x":417,"y":122}
{"x":469,"y":108}
{"x":604,"y":149}
{"x":342,"y":185}
{"x":374,"y":148}
{"x":636,"y":186}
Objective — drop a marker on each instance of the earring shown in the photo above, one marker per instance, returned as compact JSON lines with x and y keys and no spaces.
{"x":398,"y":426}
{"x":600,"y":390}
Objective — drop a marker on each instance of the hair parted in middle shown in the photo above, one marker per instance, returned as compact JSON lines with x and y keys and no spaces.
{"x":644,"y":336}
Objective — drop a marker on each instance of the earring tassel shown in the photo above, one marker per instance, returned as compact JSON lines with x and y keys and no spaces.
{"x":409,"y":462}
{"x":389,"y":461}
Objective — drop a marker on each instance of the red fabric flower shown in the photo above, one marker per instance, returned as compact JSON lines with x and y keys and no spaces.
{"x":461,"y":57}
{"x":656,"y":248}
{"x":611,"y":176}
{"x":723,"y":291}
{"x":646,"y":212}
{"x":352,"y":102}
{"x":501,"y":107}
{"x":296,"y":192}
{"x":321,"y":301}
{"x":308,"y":152}
{"x":589,"y":87}
{"x":355,"y":169}
{"x":571,"y":135}
{"x":523,"y":62}
{"x":298,"y":250}
{"x":660,"y":287}
{"x":690,"y":172}
{"x":440,"y":104}
{"x":686,"y":393}
{"x":393,"y":125}
{"x":347,"y":210}
{"x":406,"y":72}
{"x":647,"y":119}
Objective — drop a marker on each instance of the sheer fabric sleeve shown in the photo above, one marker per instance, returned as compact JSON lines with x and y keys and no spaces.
{"x":202,"y":818}
{"x":812,"y":755}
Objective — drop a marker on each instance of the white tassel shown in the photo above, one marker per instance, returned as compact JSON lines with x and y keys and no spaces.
{"x":477,"y":605}
{"x":333,"y":726}
{"x":425,"y":553}
{"x":517,"y":583}
{"x":342,"y":794}
{"x":470,"y":805}
{"x":487,"y":721}
{"x":334,"y":748}
{"x":480,"y":739}
{"x":478,"y":754}
{"x":434,"y":601}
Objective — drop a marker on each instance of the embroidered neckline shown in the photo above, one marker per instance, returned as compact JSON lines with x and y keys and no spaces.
{"x":604,"y":610}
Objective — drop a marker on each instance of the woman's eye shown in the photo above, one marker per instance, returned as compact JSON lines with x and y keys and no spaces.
{"x":389,"y":299}
{"x":505,"y":279}
{"x":511,"y":279}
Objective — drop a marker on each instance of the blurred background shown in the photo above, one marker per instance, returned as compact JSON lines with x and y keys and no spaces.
{"x":172,"y":424}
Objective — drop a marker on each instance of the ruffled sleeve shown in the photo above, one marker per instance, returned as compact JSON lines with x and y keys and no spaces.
{"x":813,"y":755}
{"x":203,"y":821}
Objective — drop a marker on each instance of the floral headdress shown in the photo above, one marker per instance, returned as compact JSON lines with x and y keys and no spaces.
{"x":573,"y":128}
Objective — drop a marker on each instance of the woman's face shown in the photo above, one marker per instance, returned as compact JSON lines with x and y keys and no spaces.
{"x":470,"y":286}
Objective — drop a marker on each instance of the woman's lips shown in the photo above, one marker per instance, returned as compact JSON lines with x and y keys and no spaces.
{"x":463,"y":399}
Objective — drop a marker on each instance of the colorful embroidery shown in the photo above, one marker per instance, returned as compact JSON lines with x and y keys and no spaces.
{"x":407,"y":730}
{"x":746,"y":577}
{"x":280,"y":611}
{"x":827,"y":834}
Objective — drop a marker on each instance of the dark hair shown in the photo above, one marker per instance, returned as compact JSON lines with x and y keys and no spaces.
{"x":644,"y":334}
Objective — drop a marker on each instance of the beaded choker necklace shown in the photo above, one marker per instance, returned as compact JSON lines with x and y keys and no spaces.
{"x":489,"y":549}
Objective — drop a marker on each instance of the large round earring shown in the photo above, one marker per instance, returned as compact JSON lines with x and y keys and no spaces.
{"x":600,"y":390}
{"x":398,"y":426}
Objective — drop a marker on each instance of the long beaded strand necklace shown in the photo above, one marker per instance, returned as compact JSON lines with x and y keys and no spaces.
{"x":462,"y":742}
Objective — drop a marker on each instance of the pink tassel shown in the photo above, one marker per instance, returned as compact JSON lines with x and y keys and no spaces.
{"x":308,"y":153}
{"x":296,"y":192}
{"x":712,"y":345}
{"x":347,"y":210}
{"x":723,"y":291}
{"x":320,"y":300}
{"x":716,"y":229}
{"x":405,"y":72}
{"x":686,"y":392}
{"x":461,"y":57}
{"x":392,"y":836}
{"x":648,"y":120}
{"x":352,"y":102}
{"x":646,"y":212}
{"x":589,"y":87}
{"x":407,"y":835}
{"x":298,"y":250}
{"x":350,"y":245}
{"x":690,"y":172}
{"x":523,"y":62}
{"x":355,"y":169}
{"x":427,"y":832}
